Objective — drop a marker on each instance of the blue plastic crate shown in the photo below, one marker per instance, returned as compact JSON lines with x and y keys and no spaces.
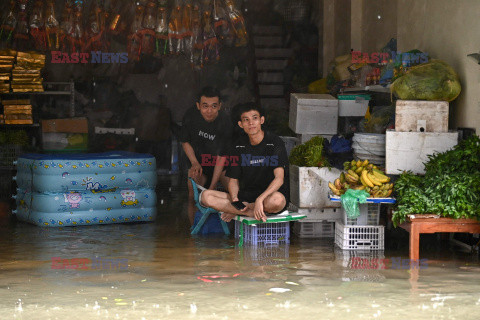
{"x":264,"y":233}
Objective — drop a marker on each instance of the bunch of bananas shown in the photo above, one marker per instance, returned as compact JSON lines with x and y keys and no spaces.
{"x":362,"y":175}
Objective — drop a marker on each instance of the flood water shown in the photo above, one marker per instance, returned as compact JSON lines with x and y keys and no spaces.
{"x":172,"y":275}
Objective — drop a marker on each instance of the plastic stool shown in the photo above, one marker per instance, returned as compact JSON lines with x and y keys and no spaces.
{"x":206,"y":211}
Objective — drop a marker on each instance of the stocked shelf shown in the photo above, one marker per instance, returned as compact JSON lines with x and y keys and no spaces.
{"x":52,"y":88}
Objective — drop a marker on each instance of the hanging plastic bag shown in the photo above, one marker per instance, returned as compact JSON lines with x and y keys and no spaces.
{"x":350,"y":200}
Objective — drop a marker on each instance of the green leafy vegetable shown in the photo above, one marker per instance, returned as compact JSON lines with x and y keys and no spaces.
{"x":450,"y":188}
{"x":309,"y":154}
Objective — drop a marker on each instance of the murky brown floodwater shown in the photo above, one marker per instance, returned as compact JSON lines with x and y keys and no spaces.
{"x":171,"y":275}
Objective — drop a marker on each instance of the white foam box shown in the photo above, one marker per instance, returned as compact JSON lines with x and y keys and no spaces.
{"x":313,"y":113}
{"x":309,"y":186}
{"x":352,"y":105}
{"x":421,"y":116}
{"x":409,"y":150}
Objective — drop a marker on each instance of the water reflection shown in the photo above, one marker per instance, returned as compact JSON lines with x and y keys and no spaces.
{"x":173,"y":275}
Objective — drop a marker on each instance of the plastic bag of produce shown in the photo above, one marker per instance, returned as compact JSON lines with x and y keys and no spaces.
{"x":433,"y":81}
{"x":350,"y":200}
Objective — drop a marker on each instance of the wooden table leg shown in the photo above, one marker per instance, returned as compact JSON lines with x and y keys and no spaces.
{"x":414,"y":242}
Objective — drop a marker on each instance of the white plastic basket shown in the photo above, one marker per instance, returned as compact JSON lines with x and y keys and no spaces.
{"x":320,"y":229}
{"x":359,"y":237}
{"x":264,"y":233}
{"x":369,"y":215}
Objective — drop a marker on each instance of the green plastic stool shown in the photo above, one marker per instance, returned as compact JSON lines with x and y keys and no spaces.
{"x":206,"y":211}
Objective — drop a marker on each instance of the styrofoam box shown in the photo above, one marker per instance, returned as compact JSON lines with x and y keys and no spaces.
{"x":309,"y":186}
{"x":352,"y":108}
{"x":319,"y":229}
{"x":413,"y":115}
{"x":409,"y":150}
{"x":313,"y":113}
{"x":359,"y":237}
{"x":317,"y":214}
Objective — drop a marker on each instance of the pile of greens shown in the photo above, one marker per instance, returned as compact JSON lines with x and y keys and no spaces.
{"x":310,"y":154}
{"x":450,"y":188}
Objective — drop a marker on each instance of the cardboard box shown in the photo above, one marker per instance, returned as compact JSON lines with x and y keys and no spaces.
{"x":313,"y":113}
{"x":409,"y":150}
{"x":72,"y":125}
{"x":421,"y":116}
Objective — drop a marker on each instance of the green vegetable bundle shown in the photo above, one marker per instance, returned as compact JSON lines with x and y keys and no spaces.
{"x":309,"y":154}
{"x":434,"y":80}
{"x":450,"y":188}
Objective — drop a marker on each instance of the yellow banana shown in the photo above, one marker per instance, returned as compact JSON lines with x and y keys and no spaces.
{"x":350,"y":178}
{"x":359,"y":187}
{"x":353,"y":163}
{"x":365,"y":163}
{"x":380,"y":176}
{"x":337,"y":184}
{"x":334,"y":190}
{"x":342,"y":177}
{"x":359,"y":170}
{"x":366,"y":180}
{"x":353,"y":174}
{"x":373,"y":179}
{"x":359,"y":163}
{"x":389,"y":192}
{"x":363,"y":181}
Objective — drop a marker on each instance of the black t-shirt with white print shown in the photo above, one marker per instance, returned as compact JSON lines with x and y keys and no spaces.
{"x":207,"y":138}
{"x":254,"y":165}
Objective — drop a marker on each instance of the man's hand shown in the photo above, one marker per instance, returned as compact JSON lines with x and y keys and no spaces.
{"x":258,"y":210}
{"x":195,"y":171}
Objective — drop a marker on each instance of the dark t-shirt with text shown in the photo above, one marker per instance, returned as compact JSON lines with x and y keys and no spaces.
{"x":255,"y":165}
{"x":208,"y":138}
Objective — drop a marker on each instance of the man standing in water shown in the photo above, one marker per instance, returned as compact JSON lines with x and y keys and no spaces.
{"x":206,"y":131}
{"x":258,"y":172}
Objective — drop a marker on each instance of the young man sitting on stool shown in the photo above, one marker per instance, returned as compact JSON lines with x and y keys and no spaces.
{"x":258,"y":172}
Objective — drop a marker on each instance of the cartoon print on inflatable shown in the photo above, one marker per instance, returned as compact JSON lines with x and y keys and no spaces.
{"x":73,"y":199}
{"x":128,"y":198}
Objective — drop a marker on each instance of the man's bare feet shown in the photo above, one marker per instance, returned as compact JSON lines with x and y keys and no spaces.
{"x":227,"y":217}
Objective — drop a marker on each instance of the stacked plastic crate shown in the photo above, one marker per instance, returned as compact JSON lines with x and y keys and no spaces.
{"x":313,"y":115}
{"x":363,"y":232}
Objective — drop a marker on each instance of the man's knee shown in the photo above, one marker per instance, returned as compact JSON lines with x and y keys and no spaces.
{"x":276,"y":202}
{"x":207,"y":198}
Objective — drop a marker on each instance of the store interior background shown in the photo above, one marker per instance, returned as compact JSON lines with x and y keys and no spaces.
{"x":153,"y":93}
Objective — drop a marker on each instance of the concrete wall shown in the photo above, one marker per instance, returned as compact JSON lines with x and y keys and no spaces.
{"x":373,"y":24}
{"x":447,"y":30}
{"x":336,"y":30}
